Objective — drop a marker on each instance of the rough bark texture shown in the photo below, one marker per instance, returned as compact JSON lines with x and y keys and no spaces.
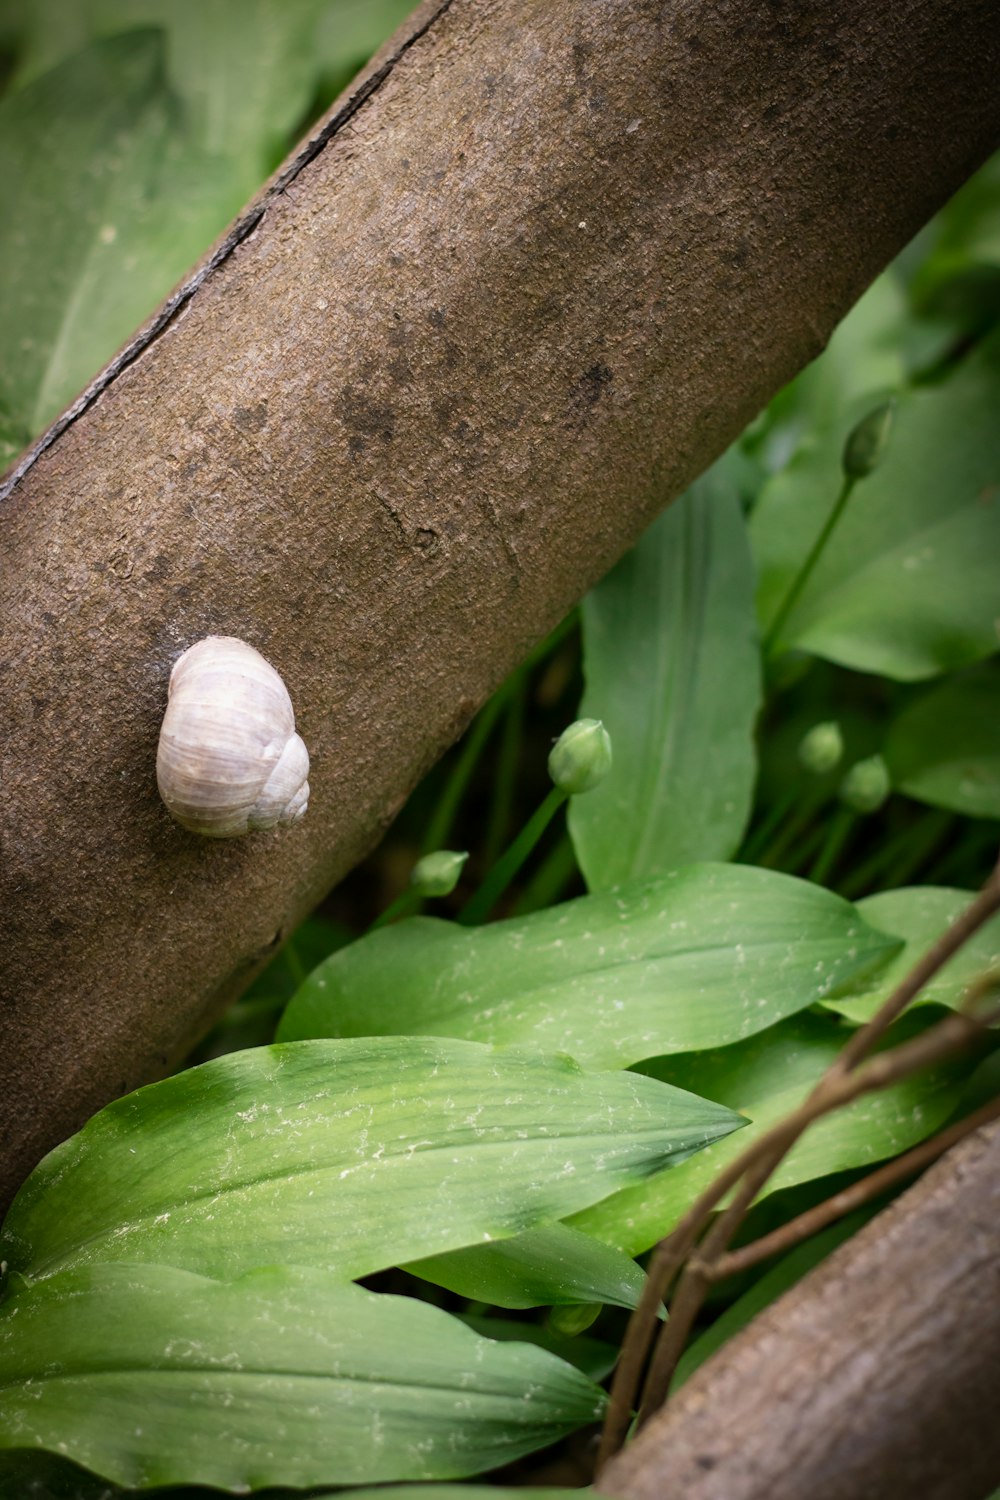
{"x":529,"y":279}
{"x":875,"y":1378}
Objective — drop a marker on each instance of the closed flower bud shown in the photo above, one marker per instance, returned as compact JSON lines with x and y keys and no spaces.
{"x":865,"y":446}
{"x":581,"y":757}
{"x":866,"y":785}
{"x":821,"y":749}
{"x":438,"y":874}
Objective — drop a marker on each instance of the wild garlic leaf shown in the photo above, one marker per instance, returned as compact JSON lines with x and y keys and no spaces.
{"x":284,"y":1376}
{"x":704,"y":956}
{"x":672,"y":667}
{"x":944,"y":748}
{"x":349,"y":1155}
{"x":764,"y":1078}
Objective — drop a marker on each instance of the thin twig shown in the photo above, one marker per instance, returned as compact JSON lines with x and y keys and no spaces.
{"x":807,"y":1224}
{"x":834,"y":1091}
{"x":764,"y":1155}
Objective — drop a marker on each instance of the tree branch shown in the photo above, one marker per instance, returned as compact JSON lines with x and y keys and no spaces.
{"x":541,"y":266}
{"x":873,"y":1376}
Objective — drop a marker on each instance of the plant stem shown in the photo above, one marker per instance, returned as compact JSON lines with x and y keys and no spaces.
{"x":505,"y":776}
{"x":805,"y":572}
{"x":549,"y":880}
{"x":440,"y":825}
{"x":404,"y":903}
{"x":507,"y":866}
{"x":758,"y":840}
{"x":837,"y":833}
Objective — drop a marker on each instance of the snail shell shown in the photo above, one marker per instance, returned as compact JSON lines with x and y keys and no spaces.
{"x":229,"y":760}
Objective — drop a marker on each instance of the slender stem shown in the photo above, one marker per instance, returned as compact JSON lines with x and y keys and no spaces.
{"x":406,"y":902}
{"x":897,"y":856}
{"x":552,"y":876}
{"x":507,"y":866}
{"x":805,"y":572}
{"x":848,"y":1199}
{"x":505,"y":776}
{"x":837,"y":834}
{"x":759,"y":839}
{"x":792,"y":829}
{"x":439,"y":827}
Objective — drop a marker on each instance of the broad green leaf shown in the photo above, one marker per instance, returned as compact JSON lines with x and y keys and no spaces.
{"x":672,"y":668}
{"x":945,"y":748}
{"x":284,"y":1376}
{"x":908,"y":585}
{"x":130,"y":200}
{"x":919,"y":915}
{"x":350,"y":1155}
{"x":544,"y":1267}
{"x":698,"y":958}
{"x":765,"y":1078}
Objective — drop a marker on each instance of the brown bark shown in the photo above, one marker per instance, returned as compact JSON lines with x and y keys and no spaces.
{"x":874,"y":1378}
{"x":533,"y":275}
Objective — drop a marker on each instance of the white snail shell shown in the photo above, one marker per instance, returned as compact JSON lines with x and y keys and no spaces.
{"x":229,"y":760}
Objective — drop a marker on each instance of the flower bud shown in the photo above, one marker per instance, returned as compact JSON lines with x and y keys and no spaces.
{"x":581,"y":757}
{"x":573,"y":1318}
{"x":865,"y":446}
{"x":866,"y":785}
{"x":438,"y":874}
{"x":821,"y":749}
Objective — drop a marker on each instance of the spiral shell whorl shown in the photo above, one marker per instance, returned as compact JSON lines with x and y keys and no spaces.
{"x":229,"y":760}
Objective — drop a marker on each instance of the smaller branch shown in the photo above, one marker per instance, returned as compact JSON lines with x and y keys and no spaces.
{"x":833,"y":1092}
{"x":947,"y":945}
{"x":769,"y":1149}
{"x":807,"y":1224}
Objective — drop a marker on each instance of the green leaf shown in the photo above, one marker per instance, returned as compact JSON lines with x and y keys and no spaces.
{"x":918,"y":915}
{"x":908,"y":585}
{"x":672,"y":668}
{"x":545,"y":1267}
{"x":129,"y":202}
{"x":945,"y":748}
{"x":243,"y":69}
{"x":350,"y":1155}
{"x":698,"y":958}
{"x":765,"y":1078}
{"x":593,"y":1356}
{"x":284,"y":1376}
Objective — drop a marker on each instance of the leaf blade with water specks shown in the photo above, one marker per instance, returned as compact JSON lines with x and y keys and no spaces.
{"x":284,"y":1376}
{"x":769,"y":1075}
{"x":672,"y":667}
{"x":351,"y":1155}
{"x":699,"y":958}
{"x":918,"y":915}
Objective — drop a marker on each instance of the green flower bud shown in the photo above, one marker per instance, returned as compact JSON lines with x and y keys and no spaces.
{"x":573,"y":1318}
{"x":821,"y":749}
{"x":581,"y":757}
{"x":438,"y":874}
{"x":866,"y":785}
{"x":865,"y":446}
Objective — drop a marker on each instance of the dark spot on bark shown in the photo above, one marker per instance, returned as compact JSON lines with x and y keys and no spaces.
{"x":158,"y":569}
{"x":589,"y":389}
{"x":251,"y":418}
{"x":365,"y":418}
{"x":436,"y":317}
{"x":705,"y":1461}
{"x":426,"y":538}
{"x":736,"y":254}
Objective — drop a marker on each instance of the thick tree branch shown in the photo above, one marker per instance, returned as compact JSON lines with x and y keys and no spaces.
{"x":873,"y":1377}
{"x":526,"y":285}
